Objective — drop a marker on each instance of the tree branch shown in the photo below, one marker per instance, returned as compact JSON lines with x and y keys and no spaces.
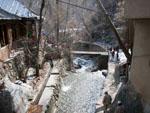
{"x":127,"y":54}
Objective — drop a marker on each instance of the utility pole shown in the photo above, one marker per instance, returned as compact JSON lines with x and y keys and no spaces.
{"x":57,"y":22}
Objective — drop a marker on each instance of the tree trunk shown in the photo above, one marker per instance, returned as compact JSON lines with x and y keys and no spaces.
{"x":39,"y":37}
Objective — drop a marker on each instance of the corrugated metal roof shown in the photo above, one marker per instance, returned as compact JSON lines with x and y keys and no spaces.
{"x":16,"y":8}
{"x":5,"y":15}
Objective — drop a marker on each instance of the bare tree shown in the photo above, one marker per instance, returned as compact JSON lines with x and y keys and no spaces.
{"x":39,"y":36}
{"x":127,"y":54}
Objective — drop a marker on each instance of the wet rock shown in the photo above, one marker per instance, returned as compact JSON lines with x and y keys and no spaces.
{"x":104,"y":74}
{"x":77,"y":66}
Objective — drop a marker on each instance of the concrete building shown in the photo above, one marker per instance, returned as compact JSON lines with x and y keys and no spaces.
{"x":138,"y":11}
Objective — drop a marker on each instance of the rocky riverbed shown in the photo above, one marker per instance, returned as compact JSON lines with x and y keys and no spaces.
{"x":80,"y":92}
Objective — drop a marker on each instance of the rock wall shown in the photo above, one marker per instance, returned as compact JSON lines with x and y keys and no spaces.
{"x":13,"y":67}
{"x":4,"y":53}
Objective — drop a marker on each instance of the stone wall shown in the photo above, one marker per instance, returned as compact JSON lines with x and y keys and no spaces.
{"x":14,"y":67}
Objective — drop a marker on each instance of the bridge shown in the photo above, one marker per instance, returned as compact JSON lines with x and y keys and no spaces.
{"x":89,"y":52}
{"x":91,"y":49}
{"x":88,"y":48}
{"x":88,"y":42}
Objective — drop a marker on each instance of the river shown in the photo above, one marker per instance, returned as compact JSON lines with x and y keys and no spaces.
{"x":81,"y":90}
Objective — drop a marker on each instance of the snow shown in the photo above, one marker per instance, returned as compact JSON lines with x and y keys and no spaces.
{"x":86,"y":64}
{"x":46,"y":97}
{"x":31,"y":72}
{"x":48,"y":92}
{"x":122,"y":57}
{"x":65,"y":88}
{"x":21,"y":94}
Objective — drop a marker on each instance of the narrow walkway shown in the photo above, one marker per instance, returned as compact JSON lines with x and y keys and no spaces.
{"x":48,"y":91}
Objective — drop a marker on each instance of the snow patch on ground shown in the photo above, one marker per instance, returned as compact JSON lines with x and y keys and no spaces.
{"x":122,"y":57}
{"x":21,"y":93}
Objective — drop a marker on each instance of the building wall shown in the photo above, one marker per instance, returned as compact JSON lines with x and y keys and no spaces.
{"x":137,"y":9}
{"x":139,"y":12}
{"x":4,"y":53}
{"x":140,"y":68}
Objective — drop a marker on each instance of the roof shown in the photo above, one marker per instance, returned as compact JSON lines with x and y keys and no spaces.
{"x":5,"y":15}
{"x":13,"y":7}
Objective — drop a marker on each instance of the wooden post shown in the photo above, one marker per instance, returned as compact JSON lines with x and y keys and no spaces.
{"x":17,"y":31}
{"x":28,"y":29}
{"x":34,"y":33}
{"x":39,"y":37}
{"x":3,"y":35}
{"x":10,"y":38}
